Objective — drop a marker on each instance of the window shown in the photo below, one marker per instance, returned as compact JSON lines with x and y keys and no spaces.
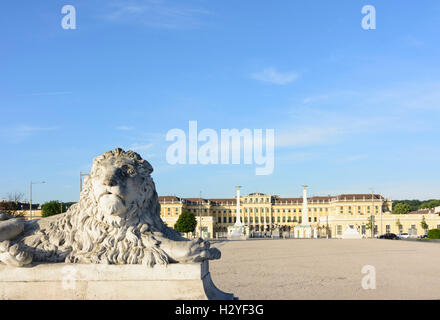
{"x":219,"y":219}
{"x":300,"y":219}
{"x":278,"y":219}
{"x":224,"y":220}
{"x":315,"y":219}
{"x":310,"y":219}
{"x":256,"y":219}
{"x":387,"y":227}
{"x":284,"y":219}
{"x":339,"y":230}
{"x":230,"y":219}
{"x":294,"y":219}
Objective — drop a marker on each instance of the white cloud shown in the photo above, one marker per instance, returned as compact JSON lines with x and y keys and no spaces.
{"x":124,"y":128}
{"x":306,"y":136}
{"x":155,"y":13}
{"x":140,"y":147}
{"x":51,"y":93}
{"x":271,"y":75}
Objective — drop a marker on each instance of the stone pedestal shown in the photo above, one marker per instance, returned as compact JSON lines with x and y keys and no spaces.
{"x":62,"y":281}
{"x":305,"y":232}
{"x":351,"y":233}
{"x":238,"y":232}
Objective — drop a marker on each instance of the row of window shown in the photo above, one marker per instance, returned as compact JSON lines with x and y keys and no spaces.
{"x":268,"y":220}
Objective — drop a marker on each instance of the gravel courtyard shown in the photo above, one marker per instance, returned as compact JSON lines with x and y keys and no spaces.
{"x":327,"y":269}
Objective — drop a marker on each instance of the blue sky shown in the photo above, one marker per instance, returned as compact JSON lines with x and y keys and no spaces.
{"x":352,"y":109}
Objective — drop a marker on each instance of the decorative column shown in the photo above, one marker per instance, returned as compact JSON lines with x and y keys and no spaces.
{"x":238,"y":207}
{"x":305,"y":218}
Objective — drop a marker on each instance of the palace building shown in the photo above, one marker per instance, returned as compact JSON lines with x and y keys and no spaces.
{"x":330,"y":215}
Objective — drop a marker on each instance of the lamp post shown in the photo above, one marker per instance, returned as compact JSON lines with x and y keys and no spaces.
{"x":30,"y":197}
{"x":200,"y":215}
{"x":372,"y":214}
{"x":81,"y":175}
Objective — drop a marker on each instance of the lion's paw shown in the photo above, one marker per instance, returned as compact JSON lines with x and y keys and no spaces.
{"x":13,"y":256}
{"x":200,"y":251}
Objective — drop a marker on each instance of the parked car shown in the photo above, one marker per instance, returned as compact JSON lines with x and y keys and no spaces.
{"x":403,"y":235}
{"x":390,"y":236}
{"x":423,"y":236}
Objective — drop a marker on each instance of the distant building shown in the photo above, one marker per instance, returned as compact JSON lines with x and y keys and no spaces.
{"x":21,"y":209}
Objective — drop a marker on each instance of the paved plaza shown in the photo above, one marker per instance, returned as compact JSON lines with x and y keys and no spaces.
{"x":327,"y":269}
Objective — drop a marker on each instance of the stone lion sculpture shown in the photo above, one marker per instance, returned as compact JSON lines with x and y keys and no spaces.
{"x":116,"y":221}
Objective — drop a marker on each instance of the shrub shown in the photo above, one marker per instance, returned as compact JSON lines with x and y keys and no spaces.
{"x":434,"y":234}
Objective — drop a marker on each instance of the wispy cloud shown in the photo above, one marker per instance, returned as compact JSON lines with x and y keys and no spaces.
{"x":272,"y":75}
{"x":124,"y":128}
{"x":51,"y":93}
{"x":413,"y":41}
{"x":155,"y":14}
{"x":20,"y":132}
{"x":141,"y":147}
{"x":307,"y":136}
{"x":354,"y":157}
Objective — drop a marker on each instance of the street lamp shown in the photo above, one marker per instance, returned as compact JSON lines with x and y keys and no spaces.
{"x":372,"y":214}
{"x":200,"y":215}
{"x":81,"y":175}
{"x":30,"y":197}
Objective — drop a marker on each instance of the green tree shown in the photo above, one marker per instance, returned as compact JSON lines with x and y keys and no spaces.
{"x":402,"y":208}
{"x":370,"y":225}
{"x":52,"y":208}
{"x":423,"y":224}
{"x":186,"y":223}
{"x":430,"y":204}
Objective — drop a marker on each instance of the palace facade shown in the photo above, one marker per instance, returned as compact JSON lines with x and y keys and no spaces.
{"x":331,"y":215}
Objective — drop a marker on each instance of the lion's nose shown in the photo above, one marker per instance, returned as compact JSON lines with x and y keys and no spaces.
{"x":110,"y":182}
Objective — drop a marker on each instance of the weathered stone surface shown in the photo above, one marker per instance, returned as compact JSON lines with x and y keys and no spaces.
{"x":96,"y":282}
{"x":10,"y":229}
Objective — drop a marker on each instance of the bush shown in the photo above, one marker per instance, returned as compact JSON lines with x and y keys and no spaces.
{"x":52,"y":208}
{"x":434,"y":234}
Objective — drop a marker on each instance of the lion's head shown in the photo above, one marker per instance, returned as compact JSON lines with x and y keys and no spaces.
{"x":120,"y":187}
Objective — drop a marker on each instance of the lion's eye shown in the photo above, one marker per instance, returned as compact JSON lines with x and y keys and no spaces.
{"x":131,"y":171}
